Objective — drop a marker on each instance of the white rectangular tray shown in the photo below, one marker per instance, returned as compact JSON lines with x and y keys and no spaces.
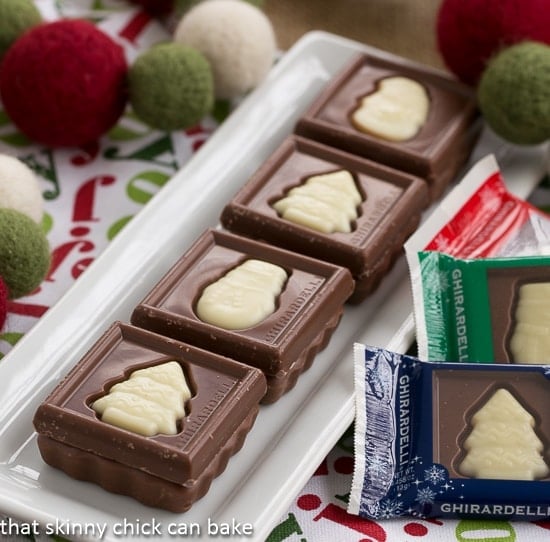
{"x":290,"y":437}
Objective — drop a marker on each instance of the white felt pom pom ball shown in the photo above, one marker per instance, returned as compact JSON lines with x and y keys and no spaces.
{"x":237,"y":39}
{"x":19,"y":188}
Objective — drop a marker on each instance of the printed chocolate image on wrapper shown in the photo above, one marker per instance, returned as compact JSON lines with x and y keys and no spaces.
{"x":451,"y":440}
{"x":479,"y":218}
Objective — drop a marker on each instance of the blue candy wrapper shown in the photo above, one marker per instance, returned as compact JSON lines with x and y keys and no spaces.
{"x":450,"y":439}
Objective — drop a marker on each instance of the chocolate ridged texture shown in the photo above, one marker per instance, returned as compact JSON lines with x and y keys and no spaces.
{"x":138,"y":484}
{"x":225,"y":399}
{"x":390,"y":211}
{"x":281,"y":383}
{"x":436,"y":153}
{"x":284,"y":343}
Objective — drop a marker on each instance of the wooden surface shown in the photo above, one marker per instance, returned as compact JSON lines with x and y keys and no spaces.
{"x":405,"y":27}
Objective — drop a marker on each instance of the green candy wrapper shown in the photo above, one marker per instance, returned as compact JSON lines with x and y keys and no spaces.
{"x":493,"y":310}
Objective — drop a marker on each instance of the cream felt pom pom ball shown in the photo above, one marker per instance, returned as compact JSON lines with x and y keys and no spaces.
{"x":19,"y":188}
{"x":236,"y":38}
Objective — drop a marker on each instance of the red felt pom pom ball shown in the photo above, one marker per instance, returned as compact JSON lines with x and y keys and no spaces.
{"x":64,"y":83}
{"x":470,"y":32}
{"x":3,"y":302}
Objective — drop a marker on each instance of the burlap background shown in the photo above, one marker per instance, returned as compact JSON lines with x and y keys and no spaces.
{"x":405,"y":27}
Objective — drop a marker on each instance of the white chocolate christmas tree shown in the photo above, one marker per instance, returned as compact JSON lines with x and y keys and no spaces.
{"x":326,"y":203}
{"x":151,"y":401}
{"x":503,"y":444}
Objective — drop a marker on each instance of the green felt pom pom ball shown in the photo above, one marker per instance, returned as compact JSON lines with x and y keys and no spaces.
{"x":171,"y":86}
{"x":24,"y":253}
{"x":514,"y":93}
{"x":16,"y":16}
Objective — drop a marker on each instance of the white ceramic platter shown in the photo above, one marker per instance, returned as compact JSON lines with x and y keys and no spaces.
{"x":290,"y":437}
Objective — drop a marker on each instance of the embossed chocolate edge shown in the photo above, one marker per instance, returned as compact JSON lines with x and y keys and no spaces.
{"x":279,"y":350}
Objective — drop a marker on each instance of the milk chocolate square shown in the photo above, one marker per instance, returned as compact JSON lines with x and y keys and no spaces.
{"x":435,"y":153}
{"x":168,"y":471}
{"x":504,"y":286}
{"x":285,"y":342}
{"x":390,"y":210}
